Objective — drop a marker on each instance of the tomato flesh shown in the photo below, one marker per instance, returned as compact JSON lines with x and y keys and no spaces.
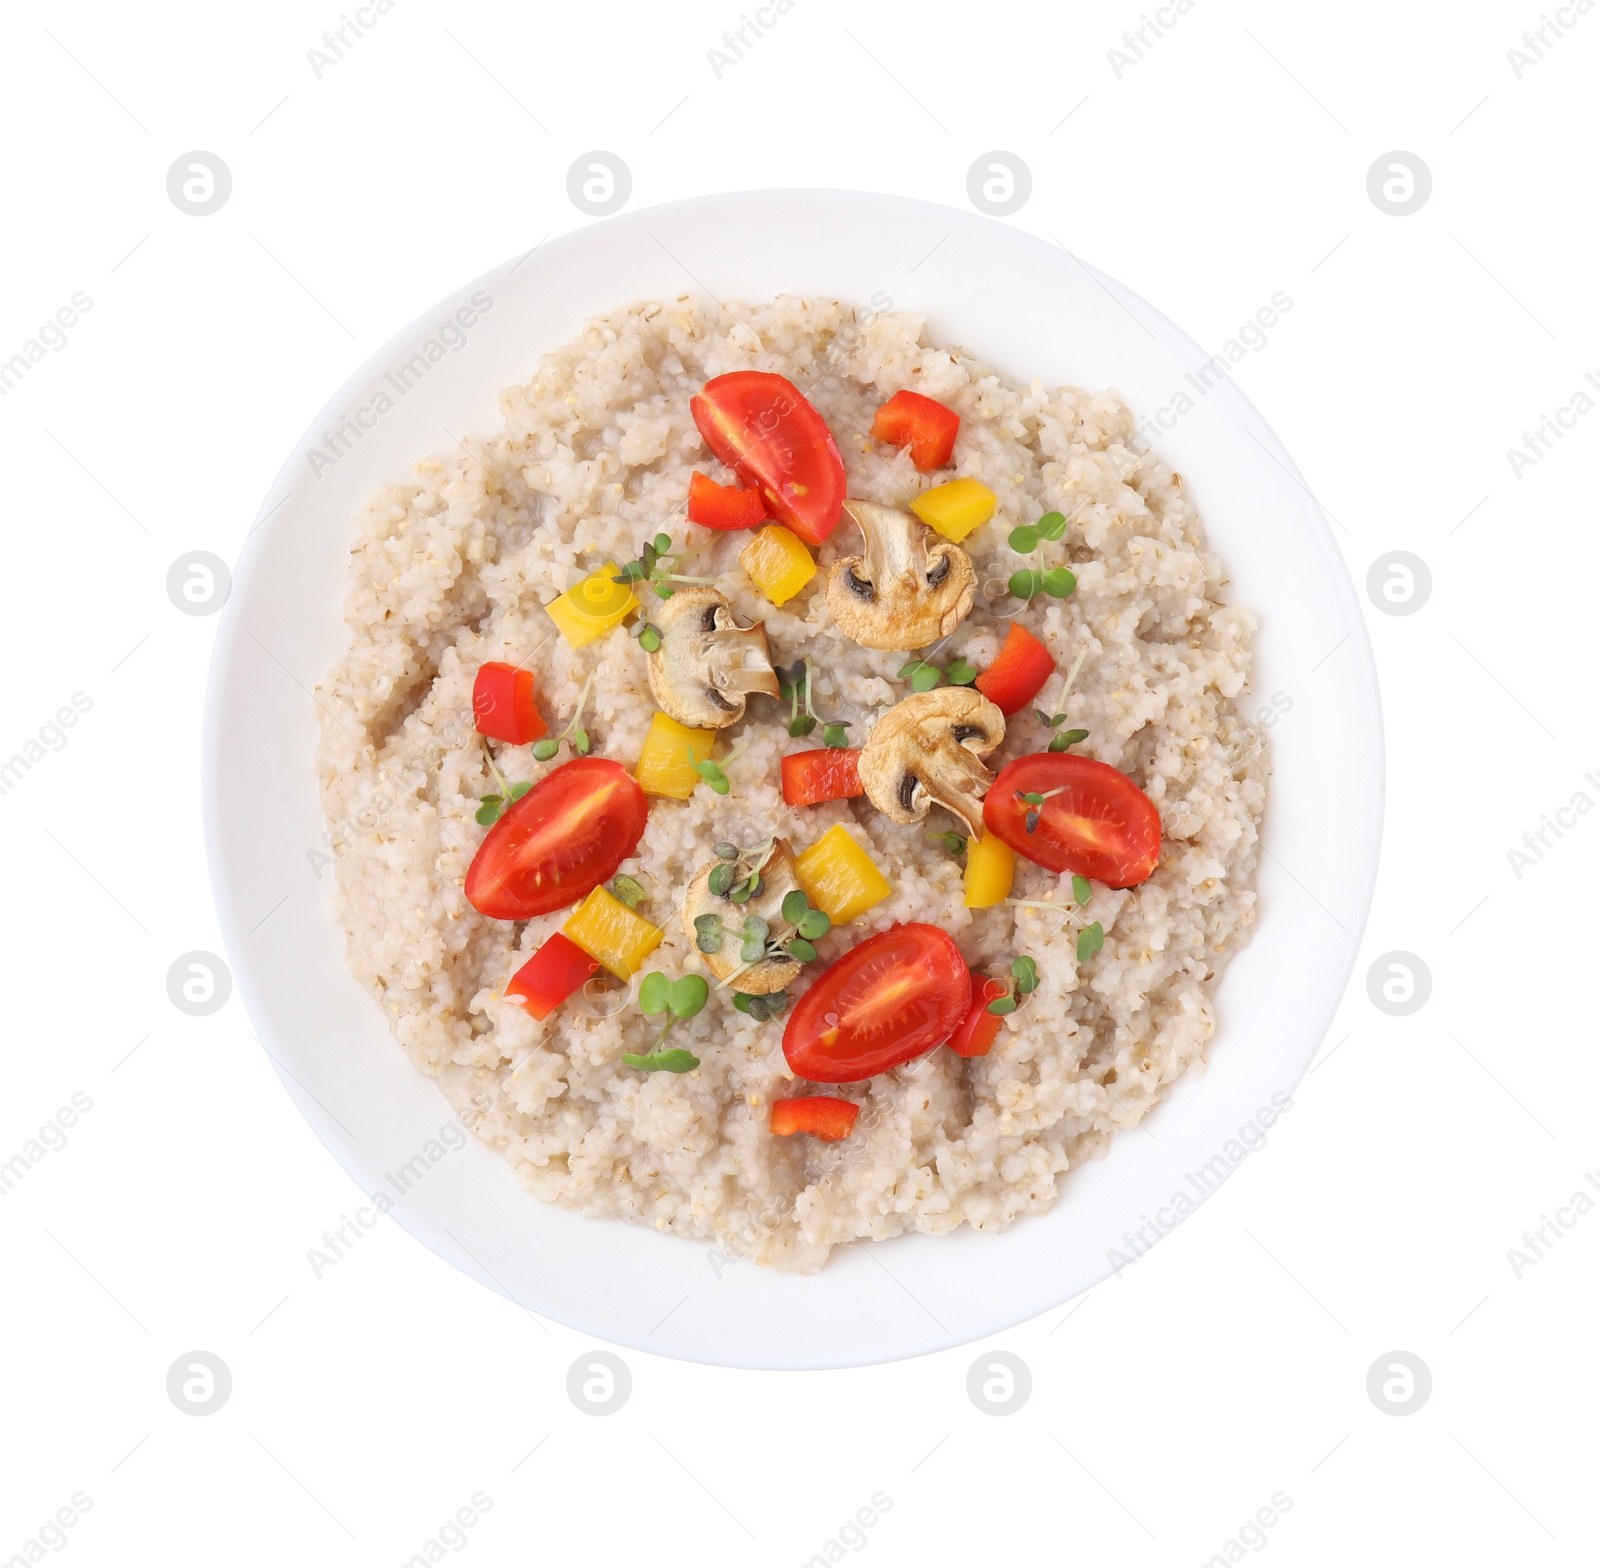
{"x":811,"y":777}
{"x":551,"y":975}
{"x":821,"y":1115}
{"x":925,"y":428}
{"x":502,"y":704}
{"x":763,"y":428}
{"x":979,"y":1029}
{"x":889,"y":999}
{"x":1094,"y":821}
{"x":1018,"y":673}
{"x":724,"y":507}
{"x":565,"y":837}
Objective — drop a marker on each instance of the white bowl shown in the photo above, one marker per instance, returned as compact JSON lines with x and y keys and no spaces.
{"x":1034,"y":311}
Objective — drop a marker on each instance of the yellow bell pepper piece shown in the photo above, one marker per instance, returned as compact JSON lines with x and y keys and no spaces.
{"x":956,"y":508}
{"x":594,"y":606}
{"x":778,"y":563}
{"x":839,"y":877}
{"x":664,"y":766}
{"x":607,"y":930}
{"x":991,"y":865}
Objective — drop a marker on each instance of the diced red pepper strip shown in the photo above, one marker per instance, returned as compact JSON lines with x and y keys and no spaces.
{"x":503,"y":706}
{"x":821,"y":1115}
{"x":927,"y":428}
{"x":550,"y":976}
{"x":724,"y":507}
{"x":811,"y":777}
{"x":1018,"y":673}
{"x":979,"y":1028}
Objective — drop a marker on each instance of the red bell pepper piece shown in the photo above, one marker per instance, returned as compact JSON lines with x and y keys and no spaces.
{"x":550,"y":976}
{"x":821,"y":1115}
{"x":979,"y":1028}
{"x":724,"y":507}
{"x":811,"y":777}
{"x":1018,"y":673}
{"x":503,"y":706}
{"x":927,"y":428}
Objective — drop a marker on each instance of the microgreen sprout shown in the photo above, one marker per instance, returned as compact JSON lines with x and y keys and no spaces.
{"x":574,"y":733}
{"x":678,"y":999}
{"x":627,"y":890}
{"x":762,"y":1008}
{"x":648,"y":569}
{"x":1029,"y":581}
{"x":1024,"y":980}
{"x":756,"y":938}
{"x":925,"y":676}
{"x":1081,"y":891}
{"x":954,"y":843}
{"x":1090,"y":940}
{"x":712,"y":772}
{"x":490,"y":806}
{"x":795,"y":684}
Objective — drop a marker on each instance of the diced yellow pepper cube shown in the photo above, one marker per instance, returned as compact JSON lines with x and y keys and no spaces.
{"x":664,"y":766}
{"x":840,"y":878}
{"x":607,"y":930}
{"x":991,"y":865}
{"x":956,"y":508}
{"x":594,"y":606}
{"x":778,"y":563}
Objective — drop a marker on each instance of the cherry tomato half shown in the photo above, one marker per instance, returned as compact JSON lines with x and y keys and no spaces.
{"x":565,"y":837}
{"x":1093,"y":820}
{"x":896,"y":995}
{"x":763,"y":428}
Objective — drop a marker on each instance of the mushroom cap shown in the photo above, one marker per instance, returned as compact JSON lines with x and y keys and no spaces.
{"x":909,"y":588}
{"x":707,"y":664}
{"x":925,"y":750}
{"x":780,"y":879}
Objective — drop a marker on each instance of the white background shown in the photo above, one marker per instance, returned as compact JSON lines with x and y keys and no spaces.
{"x":1168,"y":1405}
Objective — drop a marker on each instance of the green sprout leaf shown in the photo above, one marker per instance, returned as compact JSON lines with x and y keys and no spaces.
{"x":710,"y":772}
{"x":580,"y":742}
{"x":927,"y":677}
{"x":1049,"y":720}
{"x":663,"y":543}
{"x":655,"y":994}
{"x":1026,"y":973}
{"x":627,"y":889}
{"x":795,"y":905}
{"x":1024,"y":540}
{"x":721,"y":880}
{"x":519,"y":789}
{"x":960,"y":673}
{"x":1002,"y":1005}
{"x":802,"y":724}
{"x":687,"y":995}
{"x":741,"y":894}
{"x":954,"y":843}
{"x":813,"y":925}
{"x":1090,"y":940}
{"x":1052,"y":525}
{"x":709,"y":933}
{"x":664,"y":590}
{"x":799,"y":948}
{"x":742,"y":1000}
{"x":633,"y":572}
{"x":758,"y":1008}
{"x":649,"y":638}
{"x":672,"y":1061}
{"x":1069,"y":739}
{"x":725,"y":851}
{"x":834,"y":735}
{"x":544,"y":750}
{"x":1034,"y":798}
{"x":778,"y":1002}
{"x":1059,"y":582}
{"x":1024,"y":584}
{"x":489,"y":812}
{"x":1081,"y":891}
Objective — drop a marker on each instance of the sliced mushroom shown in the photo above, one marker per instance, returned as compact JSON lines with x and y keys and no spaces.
{"x":925,"y":751}
{"x":707,"y":664}
{"x":779,"y":879}
{"x":910,"y":588}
